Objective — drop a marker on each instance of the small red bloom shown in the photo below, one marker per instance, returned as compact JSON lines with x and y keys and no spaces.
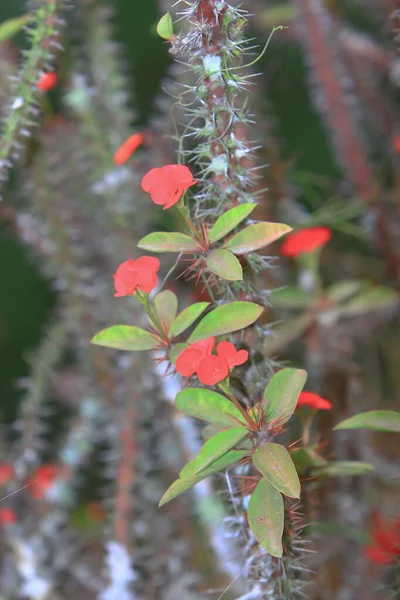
{"x":6,"y":473}
{"x":384,"y":548}
{"x":167,"y":184}
{"x":41,"y":480}
{"x":7,"y":516}
{"x":189,"y":360}
{"x":396,"y":144}
{"x":136,"y":274}
{"x":305,"y":241}
{"x":234,"y":357}
{"x":47,"y":81}
{"x":212,"y":370}
{"x":313,"y":401}
{"x":126,"y":150}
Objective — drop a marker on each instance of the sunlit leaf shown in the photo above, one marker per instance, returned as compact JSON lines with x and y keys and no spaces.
{"x":125,"y":337}
{"x":281,"y":394}
{"x":291,"y":297}
{"x":225,"y":319}
{"x":187,"y":317}
{"x":344,"y":468}
{"x":165,"y":27}
{"x":209,"y":406}
{"x":266,"y":517}
{"x":378,"y":298}
{"x":213,"y":449}
{"x":255,"y":237}
{"x":225,"y":264}
{"x":274,"y":463}
{"x":11,"y":27}
{"x":229,"y":220}
{"x":287,"y":332}
{"x":161,"y":241}
{"x":209,"y":431}
{"x":378,"y":420}
{"x":166,"y":305}
{"x":181,"y":485}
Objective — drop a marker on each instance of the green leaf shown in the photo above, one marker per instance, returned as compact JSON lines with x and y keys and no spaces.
{"x":283,"y":334}
{"x":378,"y":298}
{"x":161,"y":241}
{"x":378,"y":420}
{"x":165,"y":27}
{"x":209,"y":406}
{"x":125,"y":337}
{"x":343,"y":468}
{"x":213,"y":449}
{"x":187,"y":317}
{"x":306,"y":458}
{"x":209,"y":431}
{"x":225,"y":319}
{"x":165,"y":306}
{"x":229,"y":220}
{"x":181,"y":485}
{"x":266,"y":517}
{"x":255,"y":237}
{"x":281,"y":394}
{"x":291,"y":297}
{"x":274,"y":463}
{"x":343,"y":290}
{"x":225,"y":264}
{"x":11,"y":27}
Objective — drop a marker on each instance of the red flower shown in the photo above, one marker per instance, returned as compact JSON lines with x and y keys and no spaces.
{"x":384,"y":548}
{"x":234,"y":357}
{"x":313,"y":401}
{"x":396,"y":144}
{"x":47,"y":81}
{"x":126,"y":150}
{"x":6,"y":473}
{"x":189,"y":360}
{"x":41,"y":481}
{"x":167,"y":184}
{"x":7,"y":516}
{"x":212,"y":369}
{"x":136,"y":274}
{"x":305,"y":240}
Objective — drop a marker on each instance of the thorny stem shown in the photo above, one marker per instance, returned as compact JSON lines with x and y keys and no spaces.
{"x":225,"y":387}
{"x":182,"y":210}
{"x":144,"y":300}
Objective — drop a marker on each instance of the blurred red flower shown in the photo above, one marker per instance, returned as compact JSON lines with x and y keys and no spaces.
{"x":41,"y":480}
{"x":313,"y":401}
{"x":384,"y":548}
{"x":234,"y":357}
{"x":126,"y":149}
{"x":396,"y":144}
{"x":305,"y":241}
{"x":47,"y":81}
{"x":7,"y":516}
{"x":136,"y":274}
{"x":167,"y":184}
{"x":6,"y":473}
{"x":189,"y":360}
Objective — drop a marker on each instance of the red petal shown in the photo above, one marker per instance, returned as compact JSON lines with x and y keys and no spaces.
{"x":47,"y":81}
{"x":128,"y":148}
{"x":7,"y":516}
{"x":212,"y":369}
{"x":306,"y":240}
{"x":146,"y":280}
{"x":187,"y":362}
{"x":174,"y":198}
{"x":206,"y":346}
{"x":6,"y":473}
{"x":377,"y":555}
{"x":148,"y":262}
{"x":167,"y":193}
{"x":241,"y":357}
{"x":153,"y":178}
{"x":179,"y":174}
{"x":313,"y":401}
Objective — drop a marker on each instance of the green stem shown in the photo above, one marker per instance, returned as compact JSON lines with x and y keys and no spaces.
{"x":143,"y":299}
{"x":181,"y":207}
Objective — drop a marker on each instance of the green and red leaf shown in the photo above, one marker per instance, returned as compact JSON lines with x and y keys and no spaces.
{"x":229,"y":220}
{"x":377,"y":420}
{"x":274,"y":463}
{"x":161,"y":241}
{"x":125,"y":337}
{"x":209,"y":406}
{"x":281,"y":394}
{"x":187,"y":317}
{"x":224,"y":264}
{"x":166,"y":306}
{"x":266,"y":517}
{"x":226,"y":319}
{"x":256,"y":236}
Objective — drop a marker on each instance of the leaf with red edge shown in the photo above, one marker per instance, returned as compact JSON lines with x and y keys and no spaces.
{"x":224,"y":264}
{"x":161,"y":241}
{"x":256,"y":236}
{"x":274,"y":463}
{"x":187,"y":317}
{"x":166,"y":306}
{"x":266,"y":517}
{"x":125,"y":337}
{"x":226,"y":319}
{"x":281,"y":394}
{"x":209,"y":406}
{"x":229,"y":220}
{"x":377,"y":420}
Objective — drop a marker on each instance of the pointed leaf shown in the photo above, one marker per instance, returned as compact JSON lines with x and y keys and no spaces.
{"x":281,"y":394}
{"x":274,"y":463}
{"x":255,"y":237}
{"x":291,"y":297}
{"x":125,"y":337}
{"x":225,"y":319}
{"x":165,"y":27}
{"x":225,"y":264}
{"x":266,"y":517}
{"x":161,"y":241}
{"x":378,"y":420}
{"x":181,"y":485}
{"x":378,"y":298}
{"x":165,"y":306}
{"x":343,"y":290}
{"x":209,"y":431}
{"x":213,"y":449}
{"x":287,"y":332}
{"x":305,"y":458}
{"x":209,"y":406}
{"x":229,"y":220}
{"x":343,"y":468}
{"x":11,"y":27}
{"x":187,"y":317}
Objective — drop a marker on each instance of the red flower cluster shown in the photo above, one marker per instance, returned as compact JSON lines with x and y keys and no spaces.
{"x":136,"y":274}
{"x":7,"y":516}
{"x":6,"y":473}
{"x":126,"y":150}
{"x":47,"y":81}
{"x":305,"y":241}
{"x":384,"y":548}
{"x":210,"y":369}
{"x":313,"y":401}
{"x":167,"y":184}
{"x":41,"y":480}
